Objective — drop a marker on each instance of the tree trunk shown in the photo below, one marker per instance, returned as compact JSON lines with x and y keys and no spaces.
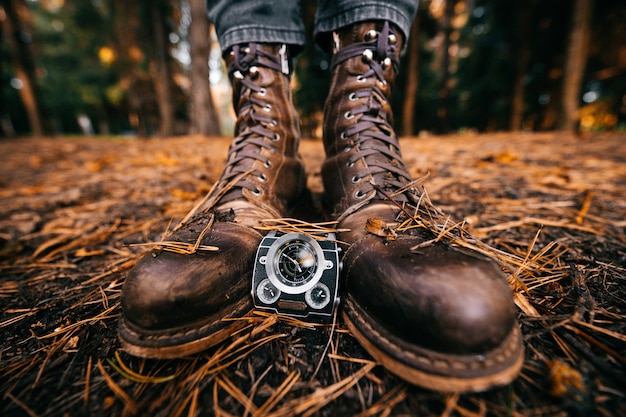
{"x":443,"y":111}
{"x":412,"y":81}
{"x":15,"y":12}
{"x":522,"y":48}
{"x":575,"y":61}
{"x":161,"y":71}
{"x":203,"y":116}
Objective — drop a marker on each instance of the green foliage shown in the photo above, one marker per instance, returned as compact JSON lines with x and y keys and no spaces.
{"x":73,"y":79}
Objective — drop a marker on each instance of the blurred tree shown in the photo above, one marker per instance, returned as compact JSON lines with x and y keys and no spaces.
{"x":480,"y":64}
{"x":14,"y":18}
{"x":73,"y":67}
{"x":485,"y":67}
{"x":444,"y":84}
{"x":160,"y":61}
{"x":141,"y":42}
{"x":522,"y":48}
{"x":575,"y":61}
{"x":418,"y":74}
{"x":312,"y":76}
{"x":604,"y":87}
{"x":134,"y":89}
{"x":545,"y":73}
{"x":203,"y":115}
{"x":412,"y":78}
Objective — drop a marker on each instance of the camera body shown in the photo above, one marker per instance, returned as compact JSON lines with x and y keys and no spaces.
{"x":297,"y":275}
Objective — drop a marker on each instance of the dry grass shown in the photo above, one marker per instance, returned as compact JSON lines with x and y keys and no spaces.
{"x":76,"y":214}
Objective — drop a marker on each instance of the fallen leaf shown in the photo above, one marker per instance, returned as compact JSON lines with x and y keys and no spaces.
{"x":381,"y":228}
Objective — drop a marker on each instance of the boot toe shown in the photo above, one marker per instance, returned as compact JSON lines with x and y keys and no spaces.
{"x":171,"y":301}
{"x":438,"y":318}
{"x":438,"y":298}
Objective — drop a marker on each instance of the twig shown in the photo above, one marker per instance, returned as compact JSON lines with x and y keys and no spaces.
{"x":330,"y":339}
{"x":580,"y":218}
{"x":584,"y":299}
{"x":23,"y":406}
{"x":87,"y":382}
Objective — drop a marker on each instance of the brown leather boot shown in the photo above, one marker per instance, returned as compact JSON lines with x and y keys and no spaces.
{"x":173,"y":304}
{"x":435,"y":315}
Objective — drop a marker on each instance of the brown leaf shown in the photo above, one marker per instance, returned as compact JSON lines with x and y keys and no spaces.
{"x":564,"y":379}
{"x":381,"y":228}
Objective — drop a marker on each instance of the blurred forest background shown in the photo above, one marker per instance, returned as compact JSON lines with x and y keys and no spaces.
{"x":139,"y":68}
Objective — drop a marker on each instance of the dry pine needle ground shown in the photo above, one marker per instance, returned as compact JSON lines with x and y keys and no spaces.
{"x":76,"y":213}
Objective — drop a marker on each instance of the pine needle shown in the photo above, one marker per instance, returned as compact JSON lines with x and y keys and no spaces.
{"x":131,"y":375}
{"x":119,"y":392}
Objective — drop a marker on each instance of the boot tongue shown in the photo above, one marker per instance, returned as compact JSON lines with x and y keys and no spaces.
{"x":243,"y":59}
{"x":363,"y":32}
{"x":376,"y":41}
{"x":353,"y":34}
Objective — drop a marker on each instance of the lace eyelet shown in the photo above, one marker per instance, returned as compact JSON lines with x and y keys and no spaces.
{"x":267,"y":164}
{"x":392,"y":38}
{"x":262,"y":177}
{"x":343,"y":136}
{"x":359,"y":194}
{"x":347,"y":149}
{"x":371,"y":35}
{"x":262,"y":92}
{"x":254,"y":71}
{"x":352,"y":97}
{"x":356,"y":179}
{"x":274,"y":123}
{"x":349,"y":164}
{"x":368,"y":56}
{"x":386,"y":63}
{"x":276,"y":137}
{"x":383,"y":83}
{"x":257,"y":192}
{"x":267,"y":108}
{"x":348,"y":115}
{"x":361,"y":79}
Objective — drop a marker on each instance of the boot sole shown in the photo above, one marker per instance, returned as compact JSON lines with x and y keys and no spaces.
{"x":433,"y":370}
{"x":183,"y":341}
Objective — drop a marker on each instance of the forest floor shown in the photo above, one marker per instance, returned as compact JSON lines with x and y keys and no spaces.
{"x":75,"y":214}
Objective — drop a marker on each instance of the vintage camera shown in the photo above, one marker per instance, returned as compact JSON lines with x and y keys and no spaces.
{"x":296,"y":275}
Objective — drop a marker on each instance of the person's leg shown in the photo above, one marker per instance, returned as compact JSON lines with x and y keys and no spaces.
{"x":260,"y":21}
{"x":335,"y":14}
{"x":175,"y":299}
{"x":436,"y":316}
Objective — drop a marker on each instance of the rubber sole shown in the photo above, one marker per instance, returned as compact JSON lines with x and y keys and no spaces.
{"x":182,"y":341}
{"x":433,"y":370}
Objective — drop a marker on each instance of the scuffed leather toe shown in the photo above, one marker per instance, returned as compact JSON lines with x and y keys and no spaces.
{"x":438,"y":317}
{"x":175,"y":304}
{"x":437,"y":297}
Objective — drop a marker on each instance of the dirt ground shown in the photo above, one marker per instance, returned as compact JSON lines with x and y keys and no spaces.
{"x":76,"y":213}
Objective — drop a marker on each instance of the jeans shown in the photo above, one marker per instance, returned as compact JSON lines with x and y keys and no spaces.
{"x":279,"y":21}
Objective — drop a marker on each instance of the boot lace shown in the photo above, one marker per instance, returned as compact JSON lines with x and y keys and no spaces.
{"x":372,"y":134}
{"x":254,"y":125}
